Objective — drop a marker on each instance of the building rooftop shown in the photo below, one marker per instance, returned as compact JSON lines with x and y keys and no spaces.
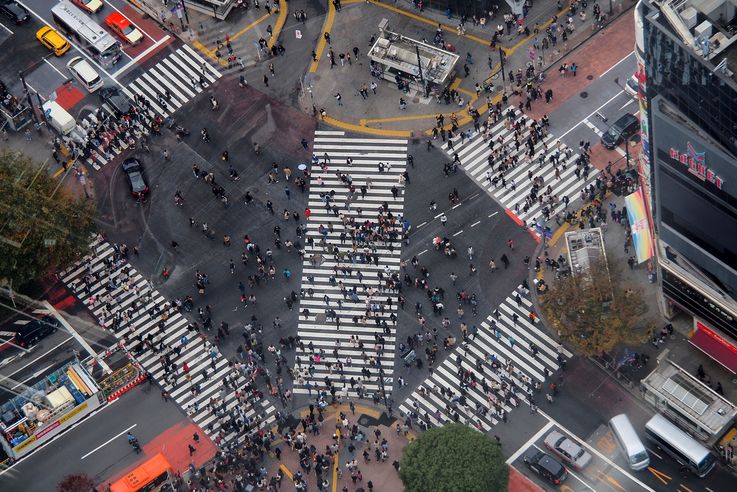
{"x":690,"y":397}
{"x":585,"y":248}
{"x":709,"y":27}
{"x":400,"y":52}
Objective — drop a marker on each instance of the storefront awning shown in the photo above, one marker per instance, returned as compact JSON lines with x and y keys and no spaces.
{"x":715,"y":346}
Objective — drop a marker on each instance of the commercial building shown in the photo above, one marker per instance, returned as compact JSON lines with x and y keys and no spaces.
{"x":687,"y":58}
{"x":411,"y":64}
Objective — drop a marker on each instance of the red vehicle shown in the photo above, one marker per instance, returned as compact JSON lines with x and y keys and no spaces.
{"x":124,"y":28}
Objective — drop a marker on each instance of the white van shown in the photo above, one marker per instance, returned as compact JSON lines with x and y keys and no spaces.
{"x":629,"y":442}
{"x":85,"y":74}
{"x":58,"y":118}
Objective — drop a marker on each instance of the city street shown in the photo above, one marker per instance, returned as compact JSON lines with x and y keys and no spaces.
{"x":295,"y":245}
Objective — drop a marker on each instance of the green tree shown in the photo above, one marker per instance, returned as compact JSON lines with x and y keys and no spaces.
{"x":595,"y":311}
{"x":76,"y":483}
{"x":453,"y":458}
{"x":42,"y":225}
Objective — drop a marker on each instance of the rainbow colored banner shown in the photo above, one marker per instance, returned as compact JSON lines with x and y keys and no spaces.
{"x":639,"y":226}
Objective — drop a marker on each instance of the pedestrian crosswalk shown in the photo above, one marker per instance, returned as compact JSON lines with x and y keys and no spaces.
{"x":124,"y":302}
{"x":168,"y":85}
{"x":347,"y":322}
{"x":514,"y":191}
{"x":179,"y":75}
{"x":508,"y":359}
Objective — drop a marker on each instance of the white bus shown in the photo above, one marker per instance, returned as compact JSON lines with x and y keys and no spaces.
{"x":629,"y":442}
{"x":93,"y":38}
{"x":679,"y":445}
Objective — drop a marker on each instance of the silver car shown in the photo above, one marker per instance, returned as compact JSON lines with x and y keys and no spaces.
{"x":567,"y":450}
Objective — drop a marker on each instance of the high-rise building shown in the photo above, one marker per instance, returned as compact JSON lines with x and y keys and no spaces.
{"x":687,"y":58}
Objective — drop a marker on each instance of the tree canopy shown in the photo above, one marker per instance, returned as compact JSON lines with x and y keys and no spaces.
{"x":453,"y":458}
{"x":42,"y":225}
{"x":594,"y":311}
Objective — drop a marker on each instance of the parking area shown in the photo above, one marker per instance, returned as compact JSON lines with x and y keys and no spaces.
{"x":575,"y":464}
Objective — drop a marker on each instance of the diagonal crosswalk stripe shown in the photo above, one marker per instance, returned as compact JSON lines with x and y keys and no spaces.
{"x":481,"y":158}
{"x":502,"y":365}
{"x":153,"y":328}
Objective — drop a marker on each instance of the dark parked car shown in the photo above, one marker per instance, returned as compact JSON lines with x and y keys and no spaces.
{"x":29,"y":334}
{"x":133,"y":170}
{"x":547,"y":467}
{"x":118,"y":102}
{"x":623,"y":128}
{"x":14,"y":12}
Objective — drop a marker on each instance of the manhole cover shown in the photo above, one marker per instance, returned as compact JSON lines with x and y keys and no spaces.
{"x":590,"y":77}
{"x":584,"y":95}
{"x":415,"y":100}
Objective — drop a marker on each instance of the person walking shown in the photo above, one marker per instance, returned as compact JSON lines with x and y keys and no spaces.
{"x":288,"y":192}
{"x":339,"y":98}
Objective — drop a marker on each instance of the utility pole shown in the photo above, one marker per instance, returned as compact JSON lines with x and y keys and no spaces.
{"x":419,"y":66}
{"x":28,"y":96}
{"x":502,"y":57}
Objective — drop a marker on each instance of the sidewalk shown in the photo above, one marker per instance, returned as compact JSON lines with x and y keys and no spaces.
{"x":677,"y":347}
{"x":368,"y":419}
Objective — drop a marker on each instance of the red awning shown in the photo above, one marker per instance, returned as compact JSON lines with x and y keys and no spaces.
{"x":716,"y":347}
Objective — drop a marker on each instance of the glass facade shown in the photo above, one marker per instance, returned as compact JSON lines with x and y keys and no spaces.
{"x":676,"y":72}
{"x":691,"y":124}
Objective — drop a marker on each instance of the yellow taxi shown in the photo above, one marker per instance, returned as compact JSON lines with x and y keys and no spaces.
{"x":52,"y":40}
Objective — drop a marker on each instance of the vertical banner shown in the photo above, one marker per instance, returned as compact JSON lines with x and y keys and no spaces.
{"x":637,"y":216}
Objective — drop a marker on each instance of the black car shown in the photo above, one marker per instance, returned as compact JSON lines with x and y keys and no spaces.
{"x":29,"y":334}
{"x":118,"y":102}
{"x":547,"y":467}
{"x":14,"y":12}
{"x":133,"y":170}
{"x":623,"y":128}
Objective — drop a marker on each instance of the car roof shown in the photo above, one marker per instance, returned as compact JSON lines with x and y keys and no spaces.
{"x":131,"y":163}
{"x":53,"y":36}
{"x":551,"y":464}
{"x":625,"y":120}
{"x":118,"y":19}
{"x":15,"y":8}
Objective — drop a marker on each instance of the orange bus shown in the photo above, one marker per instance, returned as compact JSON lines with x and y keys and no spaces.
{"x":151,"y":476}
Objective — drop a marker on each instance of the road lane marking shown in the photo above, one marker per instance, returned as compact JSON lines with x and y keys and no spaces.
{"x":145,"y":52}
{"x":459,"y":232}
{"x":593,"y":127}
{"x":109,"y":441}
{"x":422,"y":252}
{"x":476,"y":223}
{"x":591,"y":114}
{"x":492,"y":215}
{"x":56,"y":69}
{"x":531,"y":440}
{"x":421,"y":225}
{"x":40,"y":356}
{"x":6,"y":28}
{"x":616,"y":64}
{"x":598,"y":453}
